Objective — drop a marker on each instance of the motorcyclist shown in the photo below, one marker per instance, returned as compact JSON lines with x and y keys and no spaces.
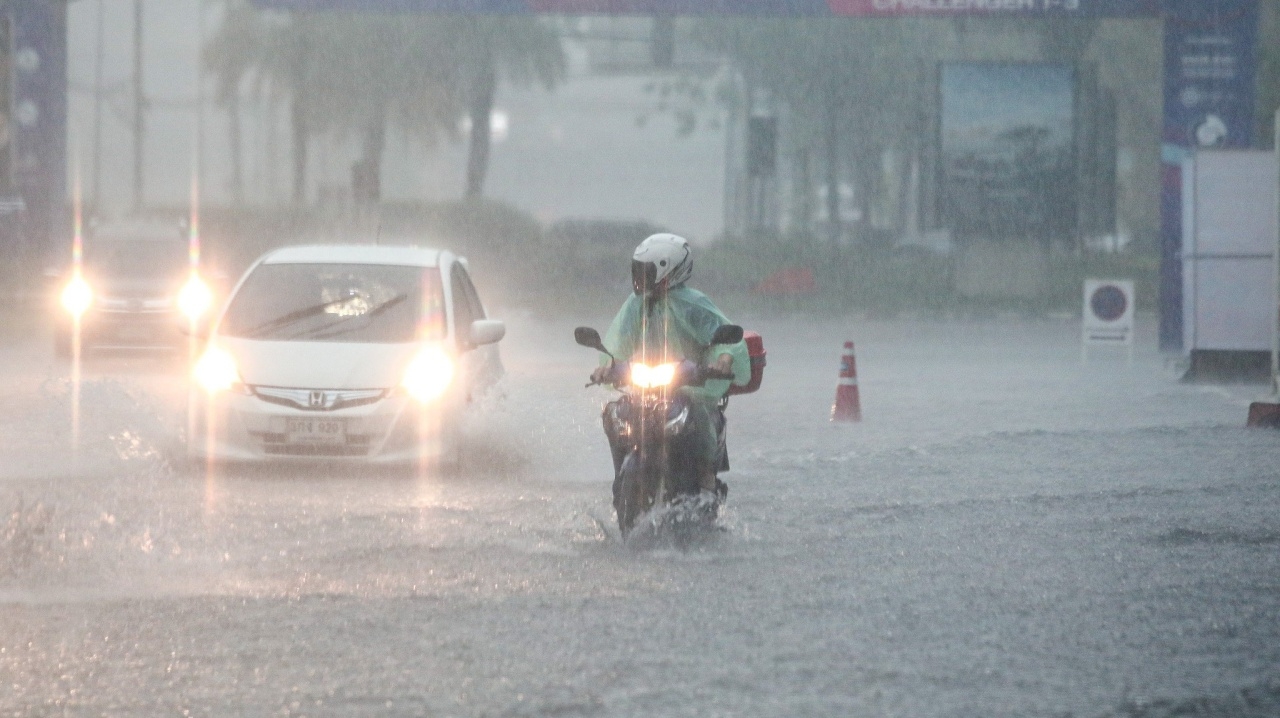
{"x":665,"y":321}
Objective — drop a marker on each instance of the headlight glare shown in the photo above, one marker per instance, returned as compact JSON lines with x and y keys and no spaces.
{"x":77,"y":296}
{"x":195,"y":298}
{"x":651,"y":377}
{"x":429,"y":374}
{"x":216,"y":371}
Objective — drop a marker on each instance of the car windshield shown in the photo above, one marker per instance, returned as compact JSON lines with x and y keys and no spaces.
{"x":337,"y":302}
{"x":137,"y":258}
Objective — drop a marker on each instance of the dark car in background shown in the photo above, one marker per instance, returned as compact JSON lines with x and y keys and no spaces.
{"x":134,"y":288}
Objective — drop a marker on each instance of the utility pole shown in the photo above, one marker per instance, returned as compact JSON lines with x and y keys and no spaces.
{"x":199,"y":169}
{"x":298,"y":116}
{"x":139,"y":107}
{"x":97,"y":109}
{"x":234,"y":139}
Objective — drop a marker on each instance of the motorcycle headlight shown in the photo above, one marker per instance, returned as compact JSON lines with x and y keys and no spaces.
{"x":652,"y":377}
{"x":77,"y":296}
{"x":429,"y":374}
{"x":216,"y":371}
{"x":195,"y":298}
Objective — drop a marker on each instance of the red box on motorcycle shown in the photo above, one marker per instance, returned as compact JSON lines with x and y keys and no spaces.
{"x":755,"y":349}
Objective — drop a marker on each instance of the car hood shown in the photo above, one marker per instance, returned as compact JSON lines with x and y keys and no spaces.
{"x":319,"y":365}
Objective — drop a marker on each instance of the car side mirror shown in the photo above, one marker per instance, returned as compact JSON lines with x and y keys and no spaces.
{"x":727,"y":334}
{"x":487,"y":331}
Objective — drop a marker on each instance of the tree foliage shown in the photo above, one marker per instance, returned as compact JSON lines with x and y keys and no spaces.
{"x":357,"y":74}
{"x":850,"y":88}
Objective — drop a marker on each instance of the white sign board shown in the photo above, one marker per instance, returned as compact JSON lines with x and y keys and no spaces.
{"x":1228,"y":250}
{"x":1108,"y":314}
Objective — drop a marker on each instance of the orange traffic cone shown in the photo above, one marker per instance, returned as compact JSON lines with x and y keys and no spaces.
{"x":847,"y":406}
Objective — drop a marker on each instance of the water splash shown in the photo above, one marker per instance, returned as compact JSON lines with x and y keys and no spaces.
{"x":24,"y":535}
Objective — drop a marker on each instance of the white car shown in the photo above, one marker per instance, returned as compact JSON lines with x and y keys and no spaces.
{"x":343,"y":352}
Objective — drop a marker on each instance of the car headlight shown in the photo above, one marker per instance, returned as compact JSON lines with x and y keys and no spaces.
{"x":216,"y":371}
{"x":429,"y":374}
{"x":77,"y":296}
{"x":652,"y":377}
{"x":195,"y":298}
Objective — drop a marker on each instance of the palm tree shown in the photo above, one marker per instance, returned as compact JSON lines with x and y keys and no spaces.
{"x":270,"y":51}
{"x":360,"y":73}
{"x":489,"y":49}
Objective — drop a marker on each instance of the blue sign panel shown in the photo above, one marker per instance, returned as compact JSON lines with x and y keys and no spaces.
{"x":1056,"y":8}
{"x":38,"y":116}
{"x":1209,"y":80}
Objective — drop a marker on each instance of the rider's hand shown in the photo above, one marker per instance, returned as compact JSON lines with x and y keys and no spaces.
{"x":723,"y":364}
{"x":601,"y":373}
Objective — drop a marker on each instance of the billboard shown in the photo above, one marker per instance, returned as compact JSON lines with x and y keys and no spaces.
{"x":1008,"y":164}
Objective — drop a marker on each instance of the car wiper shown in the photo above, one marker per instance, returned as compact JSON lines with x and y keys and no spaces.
{"x":290,"y":318}
{"x":340,"y":326}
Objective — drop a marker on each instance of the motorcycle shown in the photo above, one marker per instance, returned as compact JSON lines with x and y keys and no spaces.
{"x":654,"y":455}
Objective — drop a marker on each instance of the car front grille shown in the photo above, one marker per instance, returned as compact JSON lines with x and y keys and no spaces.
{"x":318,"y":399}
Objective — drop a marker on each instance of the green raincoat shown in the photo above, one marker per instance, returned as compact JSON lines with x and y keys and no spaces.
{"x":679,"y":326}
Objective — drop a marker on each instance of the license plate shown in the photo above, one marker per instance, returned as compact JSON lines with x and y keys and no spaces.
{"x":305,"y":430}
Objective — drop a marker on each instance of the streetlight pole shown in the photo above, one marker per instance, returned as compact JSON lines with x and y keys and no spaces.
{"x":199,"y":169}
{"x":97,"y":108}
{"x":139,"y":107}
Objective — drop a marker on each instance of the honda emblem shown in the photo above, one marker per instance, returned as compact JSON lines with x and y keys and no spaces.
{"x":316,"y":400}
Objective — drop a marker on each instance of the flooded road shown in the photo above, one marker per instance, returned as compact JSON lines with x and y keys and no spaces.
{"x":1007,"y":533}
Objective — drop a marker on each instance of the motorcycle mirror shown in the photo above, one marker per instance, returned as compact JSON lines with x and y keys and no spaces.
{"x":727,"y":334}
{"x":589,"y":338}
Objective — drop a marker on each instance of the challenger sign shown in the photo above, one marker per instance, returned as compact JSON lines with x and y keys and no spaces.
{"x":774,"y":8}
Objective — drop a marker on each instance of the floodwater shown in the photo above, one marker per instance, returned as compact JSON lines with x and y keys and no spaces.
{"x":1009,"y":532}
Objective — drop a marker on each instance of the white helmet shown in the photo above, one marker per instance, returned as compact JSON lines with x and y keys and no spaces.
{"x":662,"y":261}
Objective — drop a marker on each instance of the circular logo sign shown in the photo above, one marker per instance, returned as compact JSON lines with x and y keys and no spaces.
{"x":1211,"y":132}
{"x":1108,"y":302}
